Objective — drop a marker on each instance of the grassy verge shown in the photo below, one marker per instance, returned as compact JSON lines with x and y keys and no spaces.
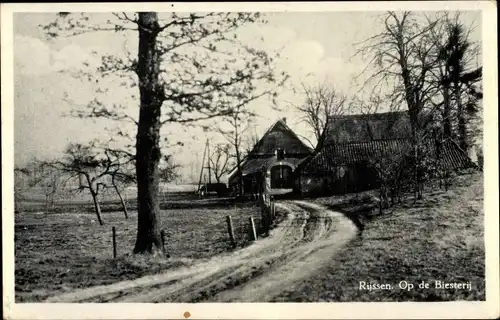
{"x":60,"y":252}
{"x":438,"y":238}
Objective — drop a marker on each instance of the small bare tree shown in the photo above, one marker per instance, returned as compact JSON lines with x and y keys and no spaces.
{"x":21,"y":180}
{"x":390,"y":167}
{"x":48,"y":179}
{"x":50,"y":182}
{"x":237,"y":124}
{"x":322,"y":103}
{"x":83,"y":161}
{"x":220,"y":161}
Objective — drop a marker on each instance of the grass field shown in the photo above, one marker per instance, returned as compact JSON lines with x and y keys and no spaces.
{"x":33,"y":200}
{"x":439,"y":238}
{"x":59,"y":252}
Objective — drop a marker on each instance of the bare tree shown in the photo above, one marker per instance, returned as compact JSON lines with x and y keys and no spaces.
{"x":441,"y":73}
{"x":322,"y":103}
{"x":236,"y":125}
{"x":22,"y":177}
{"x":220,"y":161}
{"x":249,"y":143}
{"x":175,"y":85}
{"x":390,"y":169}
{"x":46,"y":178}
{"x":89,"y":166}
{"x":402,"y":56}
{"x":50,"y":182}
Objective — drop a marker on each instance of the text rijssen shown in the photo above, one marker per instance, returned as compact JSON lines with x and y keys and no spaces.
{"x":405,"y":285}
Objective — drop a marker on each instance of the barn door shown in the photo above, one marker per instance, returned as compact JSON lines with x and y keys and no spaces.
{"x":281,"y":177}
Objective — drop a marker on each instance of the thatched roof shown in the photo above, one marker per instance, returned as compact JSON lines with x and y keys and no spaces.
{"x":345,"y":154}
{"x":278,"y":136}
{"x":367,"y":127}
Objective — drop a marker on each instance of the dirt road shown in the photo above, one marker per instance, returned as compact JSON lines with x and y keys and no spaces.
{"x":305,"y":241}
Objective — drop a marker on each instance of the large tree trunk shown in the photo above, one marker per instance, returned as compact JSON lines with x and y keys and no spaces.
{"x":413,"y":112}
{"x":321,"y":140}
{"x":147,"y":145}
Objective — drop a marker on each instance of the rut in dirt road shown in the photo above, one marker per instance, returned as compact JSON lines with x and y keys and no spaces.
{"x":305,"y":241}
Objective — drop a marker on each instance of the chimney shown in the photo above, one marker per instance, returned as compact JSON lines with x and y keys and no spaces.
{"x":280,"y":154}
{"x":284,"y":120}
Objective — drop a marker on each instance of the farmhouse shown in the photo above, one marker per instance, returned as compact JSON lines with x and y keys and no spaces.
{"x":281,"y":163}
{"x":354,"y":142}
{"x":275,"y":158}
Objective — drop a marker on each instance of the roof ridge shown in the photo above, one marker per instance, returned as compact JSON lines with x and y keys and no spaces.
{"x":362,"y":115}
{"x":293,"y":133}
{"x":367,"y":141}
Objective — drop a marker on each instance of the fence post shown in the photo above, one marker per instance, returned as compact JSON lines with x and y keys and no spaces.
{"x":263,"y":213}
{"x":253,"y":233}
{"x":114,"y":242}
{"x":272,"y":209}
{"x":230,"y":230}
{"x":162,"y":234}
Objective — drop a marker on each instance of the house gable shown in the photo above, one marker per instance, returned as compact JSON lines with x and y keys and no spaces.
{"x":278,"y":136}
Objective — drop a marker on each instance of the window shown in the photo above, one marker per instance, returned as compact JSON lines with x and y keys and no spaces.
{"x":281,"y":177}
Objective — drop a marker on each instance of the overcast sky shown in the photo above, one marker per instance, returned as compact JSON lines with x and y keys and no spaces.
{"x":316,"y":47}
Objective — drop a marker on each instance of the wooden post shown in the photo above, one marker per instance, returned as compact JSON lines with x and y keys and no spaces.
{"x":230,"y":230}
{"x":272,"y":209}
{"x":253,"y":233}
{"x":263,"y":214}
{"x":162,"y":234}
{"x":114,"y":242}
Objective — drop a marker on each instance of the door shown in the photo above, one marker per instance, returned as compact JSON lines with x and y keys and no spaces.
{"x":281,"y":177}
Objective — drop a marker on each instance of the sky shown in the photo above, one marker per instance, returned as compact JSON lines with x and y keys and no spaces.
{"x":314,"y":47}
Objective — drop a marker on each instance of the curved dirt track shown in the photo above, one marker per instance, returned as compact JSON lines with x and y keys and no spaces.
{"x":305,"y":241}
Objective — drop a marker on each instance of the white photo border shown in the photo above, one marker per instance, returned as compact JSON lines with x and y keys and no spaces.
{"x":385,"y":310}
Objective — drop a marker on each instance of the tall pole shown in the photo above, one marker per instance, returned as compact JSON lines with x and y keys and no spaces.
{"x":208,"y":164}
{"x":202,"y":164}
